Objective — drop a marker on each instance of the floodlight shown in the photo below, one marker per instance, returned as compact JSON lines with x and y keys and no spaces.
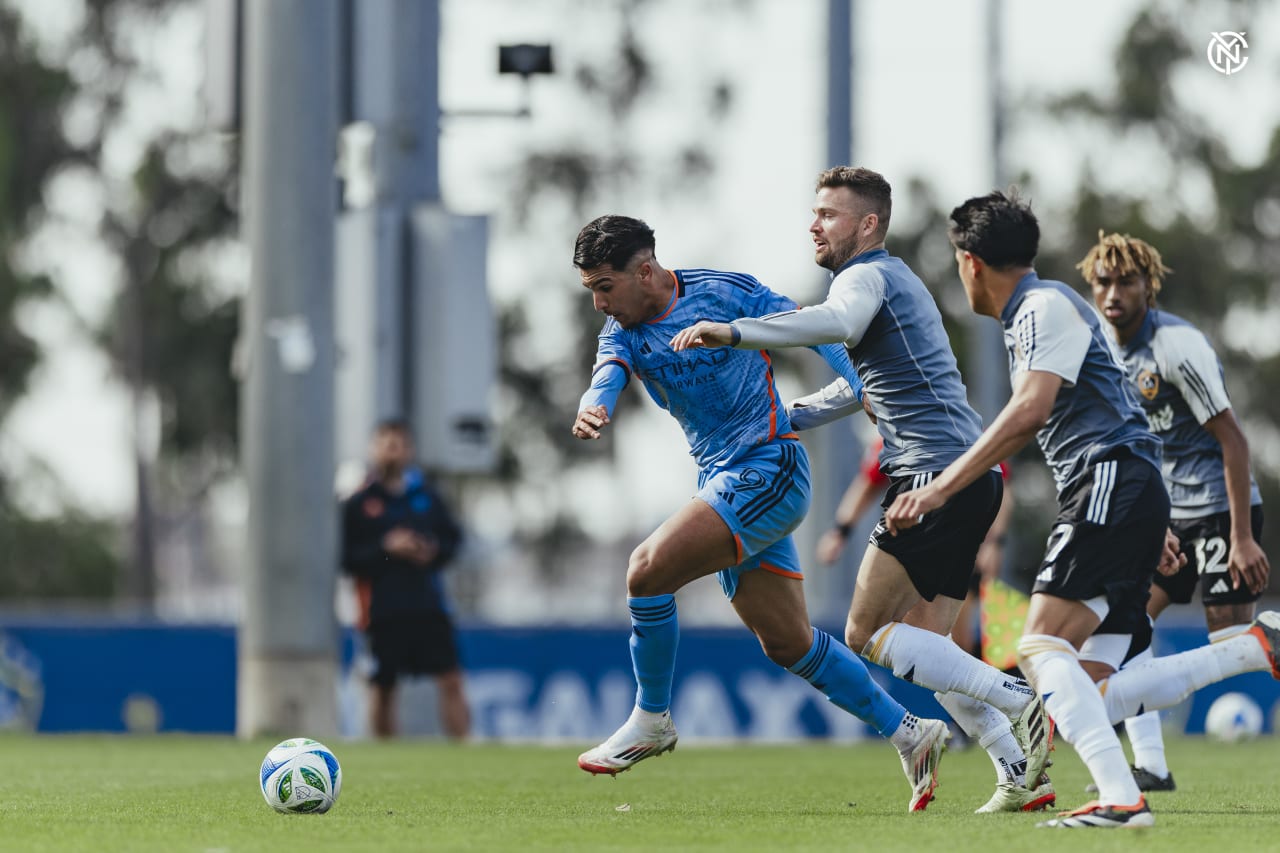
{"x":524,"y":59}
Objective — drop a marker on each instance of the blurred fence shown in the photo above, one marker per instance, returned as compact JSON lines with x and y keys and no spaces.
{"x":545,"y":684}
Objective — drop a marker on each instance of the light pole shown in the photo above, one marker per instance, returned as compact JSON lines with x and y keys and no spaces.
{"x":288,"y":639}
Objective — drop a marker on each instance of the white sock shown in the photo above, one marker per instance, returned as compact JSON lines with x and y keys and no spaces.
{"x":1053,"y":667}
{"x":991,"y":728}
{"x":1144,"y":732}
{"x":1147,"y":740}
{"x":937,"y":663}
{"x":646,"y":719}
{"x":1167,"y":680}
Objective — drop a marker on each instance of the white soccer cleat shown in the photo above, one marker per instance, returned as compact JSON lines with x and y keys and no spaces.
{"x":1033,"y":729}
{"x":1020,"y":798}
{"x":1096,"y":816}
{"x":629,"y":744}
{"x":920,"y":763}
{"x":1266,"y":628}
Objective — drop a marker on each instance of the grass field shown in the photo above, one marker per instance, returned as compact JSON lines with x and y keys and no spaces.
{"x":171,"y":793}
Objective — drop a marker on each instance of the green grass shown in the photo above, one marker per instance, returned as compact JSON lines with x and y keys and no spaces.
{"x":200,"y":794}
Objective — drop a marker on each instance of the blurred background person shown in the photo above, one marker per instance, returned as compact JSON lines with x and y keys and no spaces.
{"x":862,"y":494}
{"x":397,"y":537}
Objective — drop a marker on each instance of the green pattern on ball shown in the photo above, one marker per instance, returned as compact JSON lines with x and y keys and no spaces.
{"x":284,"y":788}
{"x":308,"y":806}
{"x":313,"y":778}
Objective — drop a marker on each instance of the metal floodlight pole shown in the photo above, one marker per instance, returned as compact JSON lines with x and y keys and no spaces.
{"x":287,"y":670}
{"x":835,"y":448}
{"x":987,"y":374}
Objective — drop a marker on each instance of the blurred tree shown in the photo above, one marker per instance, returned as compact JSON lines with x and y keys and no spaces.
{"x":170,"y":335}
{"x":557,"y":190}
{"x":171,"y":330}
{"x":43,"y":557}
{"x":71,"y":557}
{"x":31,"y":146}
{"x":164,"y":194}
{"x":1215,"y":220}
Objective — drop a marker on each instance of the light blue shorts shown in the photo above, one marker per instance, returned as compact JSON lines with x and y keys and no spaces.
{"x":763,"y":497}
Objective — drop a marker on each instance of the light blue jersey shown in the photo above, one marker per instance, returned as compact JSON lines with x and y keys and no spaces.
{"x":725,"y":399}
{"x":1180,"y":386}
{"x":892,"y":327}
{"x":1048,"y":327}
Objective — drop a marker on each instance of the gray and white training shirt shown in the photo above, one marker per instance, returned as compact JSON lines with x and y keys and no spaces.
{"x":1180,"y":385}
{"x":888,"y":320}
{"x":1049,"y":327}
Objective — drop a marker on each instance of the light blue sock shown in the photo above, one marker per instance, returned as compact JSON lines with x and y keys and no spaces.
{"x":843,"y":677}
{"x":655,"y":633}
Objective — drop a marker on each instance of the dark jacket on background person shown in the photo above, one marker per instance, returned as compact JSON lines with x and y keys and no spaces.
{"x":388,"y":585}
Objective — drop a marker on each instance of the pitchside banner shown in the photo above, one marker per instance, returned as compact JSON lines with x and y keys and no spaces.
{"x":556,"y":684}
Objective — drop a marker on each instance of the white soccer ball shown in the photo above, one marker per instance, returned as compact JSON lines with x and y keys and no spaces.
{"x":301,"y":776}
{"x":1233,"y":717}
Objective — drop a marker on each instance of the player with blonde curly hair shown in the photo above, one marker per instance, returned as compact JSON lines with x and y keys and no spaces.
{"x":1216,"y":509}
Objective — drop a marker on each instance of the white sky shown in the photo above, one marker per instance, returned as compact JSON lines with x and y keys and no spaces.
{"x":920,"y":67}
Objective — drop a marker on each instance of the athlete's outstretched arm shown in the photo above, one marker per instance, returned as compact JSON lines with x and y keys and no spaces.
{"x":590,"y":421}
{"x":824,"y":405}
{"x":596,"y":406}
{"x":843,"y":317}
{"x":838,"y":357}
{"x":1025,"y":413}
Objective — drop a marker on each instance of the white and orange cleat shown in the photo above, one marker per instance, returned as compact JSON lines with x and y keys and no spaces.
{"x":637,"y":740}
{"x":1010,"y":797}
{"x":1033,"y":729}
{"x":920,"y":762}
{"x":1266,"y":628}
{"x":1097,"y":816}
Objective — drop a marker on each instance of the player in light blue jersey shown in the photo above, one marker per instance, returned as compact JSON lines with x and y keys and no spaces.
{"x":910,"y":588}
{"x":1088,"y":602}
{"x":753,"y":491}
{"x":1216,"y":507}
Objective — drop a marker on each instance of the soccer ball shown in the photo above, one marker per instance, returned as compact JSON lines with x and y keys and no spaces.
{"x":1233,"y":717}
{"x":302,"y":776}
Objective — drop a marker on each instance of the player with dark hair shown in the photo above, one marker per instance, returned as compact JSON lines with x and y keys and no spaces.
{"x":397,"y":536}
{"x":909,"y":588}
{"x":753,"y":491}
{"x":1087,"y":606}
{"x":1217,"y":510}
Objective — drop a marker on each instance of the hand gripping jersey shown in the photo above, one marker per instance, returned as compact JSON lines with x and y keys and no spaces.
{"x":725,"y":399}
{"x":1179,"y":382}
{"x":1049,"y":327}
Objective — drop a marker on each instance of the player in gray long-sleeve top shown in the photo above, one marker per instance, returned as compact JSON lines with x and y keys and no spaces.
{"x":1111,"y":531}
{"x":910,"y":587}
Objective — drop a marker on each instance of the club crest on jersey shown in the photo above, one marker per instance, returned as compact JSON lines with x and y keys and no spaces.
{"x":1149,"y":384}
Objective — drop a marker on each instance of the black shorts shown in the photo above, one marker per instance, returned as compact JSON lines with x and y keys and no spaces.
{"x":939,"y":553}
{"x":412,"y":644}
{"x":1206,"y":542}
{"x":1107,"y":540}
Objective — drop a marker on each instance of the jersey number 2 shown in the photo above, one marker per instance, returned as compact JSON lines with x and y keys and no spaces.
{"x":1210,"y":554}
